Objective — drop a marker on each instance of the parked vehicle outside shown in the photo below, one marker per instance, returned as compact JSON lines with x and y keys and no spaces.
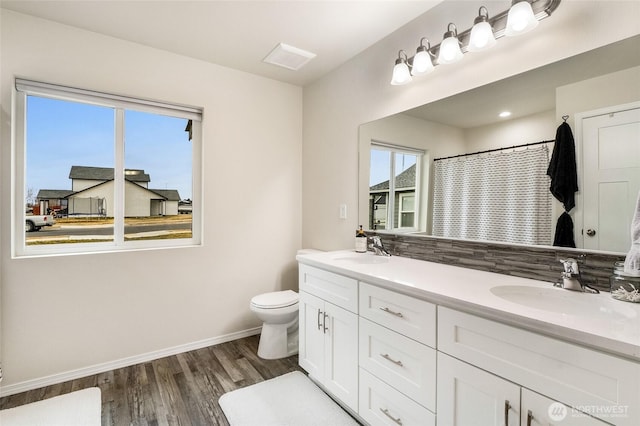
{"x":35,"y":222}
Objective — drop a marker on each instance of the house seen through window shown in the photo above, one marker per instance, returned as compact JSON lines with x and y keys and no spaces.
{"x":74,"y":197}
{"x":393,"y":187}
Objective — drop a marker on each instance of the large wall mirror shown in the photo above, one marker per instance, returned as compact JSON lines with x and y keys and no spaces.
{"x":410,"y":164}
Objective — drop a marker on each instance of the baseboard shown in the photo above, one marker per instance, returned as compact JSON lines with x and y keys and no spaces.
{"x":6,"y":390}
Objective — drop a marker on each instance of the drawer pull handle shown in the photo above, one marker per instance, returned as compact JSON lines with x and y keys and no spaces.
{"x":324,"y":323}
{"x":529,"y":417}
{"x":388,"y":358}
{"x":319,"y":324}
{"x":397,"y":421}
{"x":389,"y":311}
{"x":507,"y":406}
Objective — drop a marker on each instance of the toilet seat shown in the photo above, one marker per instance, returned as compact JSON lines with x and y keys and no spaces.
{"x":275,"y":300}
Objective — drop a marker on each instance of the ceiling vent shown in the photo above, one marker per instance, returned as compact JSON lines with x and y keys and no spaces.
{"x":289,"y":57}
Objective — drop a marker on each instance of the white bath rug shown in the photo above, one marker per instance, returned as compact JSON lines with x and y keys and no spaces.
{"x":288,"y":400}
{"x":80,"y":408}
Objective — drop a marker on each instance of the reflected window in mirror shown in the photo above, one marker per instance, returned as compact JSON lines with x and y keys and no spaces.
{"x":394,"y":185}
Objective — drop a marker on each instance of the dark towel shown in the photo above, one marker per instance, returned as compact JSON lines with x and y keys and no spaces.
{"x":564,"y":232}
{"x":562,"y":168}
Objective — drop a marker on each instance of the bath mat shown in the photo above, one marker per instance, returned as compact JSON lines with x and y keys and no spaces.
{"x":288,"y":400}
{"x":80,"y":408}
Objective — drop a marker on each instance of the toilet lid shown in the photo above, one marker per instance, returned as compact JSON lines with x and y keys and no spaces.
{"x":276,"y":299}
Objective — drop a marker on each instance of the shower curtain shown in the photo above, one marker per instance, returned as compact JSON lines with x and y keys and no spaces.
{"x":501,"y":196}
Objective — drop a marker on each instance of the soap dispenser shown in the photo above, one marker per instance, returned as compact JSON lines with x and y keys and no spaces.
{"x":361,"y":241}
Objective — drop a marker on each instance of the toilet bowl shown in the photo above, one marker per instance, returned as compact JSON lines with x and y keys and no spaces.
{"x":279,"y":313}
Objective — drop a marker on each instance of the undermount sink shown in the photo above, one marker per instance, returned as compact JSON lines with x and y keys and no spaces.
{"x":563,"y":301}
{"x":361,"y":258}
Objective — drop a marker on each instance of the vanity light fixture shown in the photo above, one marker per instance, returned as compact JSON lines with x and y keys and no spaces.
{"x":401,"y":74}
{"x":450,"y":51}
{"x":483,"y":35}
{"x":422,"y":63}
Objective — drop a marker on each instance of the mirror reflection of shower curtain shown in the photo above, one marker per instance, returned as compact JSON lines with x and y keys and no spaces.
{"x":500,"y":196}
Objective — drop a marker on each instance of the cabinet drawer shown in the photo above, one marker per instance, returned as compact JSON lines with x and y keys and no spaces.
{"x":337,"y":289}
{"x":571,"y":374}
{"x":382,"y":405}
{"x":407,"y":315}
{"x":405,"y":364}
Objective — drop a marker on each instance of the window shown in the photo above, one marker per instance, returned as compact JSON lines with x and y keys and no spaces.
{"x":116,"y":173}
{"x":394,"y":187}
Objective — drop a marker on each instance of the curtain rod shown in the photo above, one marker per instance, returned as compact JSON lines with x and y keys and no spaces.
{"x":494,"y":150}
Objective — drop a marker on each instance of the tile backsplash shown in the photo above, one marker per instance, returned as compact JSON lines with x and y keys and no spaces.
{"x":540,"y":263}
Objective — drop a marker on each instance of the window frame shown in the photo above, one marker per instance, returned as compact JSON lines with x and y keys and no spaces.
{"x":24,"y":88}
{"x":391,"y":192}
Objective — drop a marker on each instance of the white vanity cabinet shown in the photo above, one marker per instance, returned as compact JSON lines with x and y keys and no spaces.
{"x":397,"y":358}
{"x":328,"y":346}
{"x":600,"y":384}
{"x":414,"y":343}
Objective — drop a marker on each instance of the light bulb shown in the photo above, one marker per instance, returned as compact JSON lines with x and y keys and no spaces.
{"x":450,"y":51}
{"x":401,"y":74}
{"x":481,"y":37}
{"x":520,"y":19}
{"x":422,"y":60}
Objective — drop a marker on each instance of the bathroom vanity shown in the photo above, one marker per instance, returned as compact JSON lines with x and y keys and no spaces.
{"x":399,"y":341}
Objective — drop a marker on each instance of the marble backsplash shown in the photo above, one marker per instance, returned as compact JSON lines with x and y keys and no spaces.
{"x":540,"y":263}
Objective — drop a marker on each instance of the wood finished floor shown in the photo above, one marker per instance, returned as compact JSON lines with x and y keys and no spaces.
{"x":177,"y":390}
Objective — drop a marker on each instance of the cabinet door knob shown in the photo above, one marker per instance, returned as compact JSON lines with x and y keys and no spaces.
{"x":397,"y":421}
{"x":591,"y":232}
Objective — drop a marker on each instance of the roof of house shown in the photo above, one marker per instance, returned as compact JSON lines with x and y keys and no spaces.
{"x":106,"y":173}
{"x":164,"y":193}
{"x":169,"y":194}
{"x":406,"y":179}
{"x":51,"y":194}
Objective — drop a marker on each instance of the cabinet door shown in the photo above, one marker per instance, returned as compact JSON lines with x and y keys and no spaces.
{"x":311,"y":337}
{"x":538,"y":410}
{"x":341,"y":354}
{"x":469,"y":396}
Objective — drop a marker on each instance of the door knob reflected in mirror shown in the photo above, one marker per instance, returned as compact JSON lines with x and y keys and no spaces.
{"x":591,"y":232}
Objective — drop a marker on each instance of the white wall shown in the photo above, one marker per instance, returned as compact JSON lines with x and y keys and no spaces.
{"x":359,"y":92}
{"x":60,"y":314}
{"x":532,"y":128}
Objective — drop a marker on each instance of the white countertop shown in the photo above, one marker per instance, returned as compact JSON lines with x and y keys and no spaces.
{"x":593,"y":320}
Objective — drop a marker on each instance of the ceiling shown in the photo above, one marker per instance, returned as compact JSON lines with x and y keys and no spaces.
{"x":239,"y":33}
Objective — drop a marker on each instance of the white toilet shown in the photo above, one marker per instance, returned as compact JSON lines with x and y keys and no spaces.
{"x":279,"y":312}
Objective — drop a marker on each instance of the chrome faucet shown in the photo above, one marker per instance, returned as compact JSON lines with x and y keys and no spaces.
{"x":377,"y":247}
{"x":571,"y":278}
